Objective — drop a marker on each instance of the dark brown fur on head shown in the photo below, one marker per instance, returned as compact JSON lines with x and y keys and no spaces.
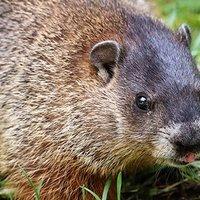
{"x":70,"y":73}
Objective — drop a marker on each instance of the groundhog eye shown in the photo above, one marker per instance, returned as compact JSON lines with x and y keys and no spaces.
{"x":142,"y":102}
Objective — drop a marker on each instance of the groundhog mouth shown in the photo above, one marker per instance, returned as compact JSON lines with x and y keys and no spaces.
{"x":186,"y":159}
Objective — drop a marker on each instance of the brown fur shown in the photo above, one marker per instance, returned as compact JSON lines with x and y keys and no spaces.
{"x":51,"y":125}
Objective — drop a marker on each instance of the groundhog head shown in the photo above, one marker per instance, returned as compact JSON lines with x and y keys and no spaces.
{"x":156,"y":85}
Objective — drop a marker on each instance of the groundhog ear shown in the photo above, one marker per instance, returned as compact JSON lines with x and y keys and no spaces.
{"x":105,"y":57}
{"x":184,"y":34}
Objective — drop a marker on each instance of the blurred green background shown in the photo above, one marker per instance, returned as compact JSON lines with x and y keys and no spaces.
{"x":176,"y":12}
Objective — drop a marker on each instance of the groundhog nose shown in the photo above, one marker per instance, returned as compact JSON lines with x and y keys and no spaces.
{"x":190,"y":146}
{"x":184,"y":147}
{"x":188,"y":140}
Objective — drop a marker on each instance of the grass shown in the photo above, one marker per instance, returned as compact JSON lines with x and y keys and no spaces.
{"x":146,"y":188}
{"x":171,"y":183}
{"x":36,"y":188}
{"x":104,"y":195}
{"x":5,"y":193}
{"x":106,"y":189}
{"x":9,"y":195}
{"x":158,"y":182}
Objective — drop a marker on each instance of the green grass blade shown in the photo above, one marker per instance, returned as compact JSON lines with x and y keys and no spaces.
{"x":196,"y":164}
{"x":39,"y":187}
{"x":10,"y":197}
{"x":119,"y":185}
{"x":83,"y":192}
{"x":24,"y":173}
{"x":106,"y":189}
{"x":92,"y":193}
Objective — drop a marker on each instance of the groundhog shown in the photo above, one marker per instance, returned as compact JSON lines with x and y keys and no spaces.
{"x":89,"y":89}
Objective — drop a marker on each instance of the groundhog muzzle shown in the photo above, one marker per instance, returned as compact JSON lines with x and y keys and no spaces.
{"x":91,"y":88}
